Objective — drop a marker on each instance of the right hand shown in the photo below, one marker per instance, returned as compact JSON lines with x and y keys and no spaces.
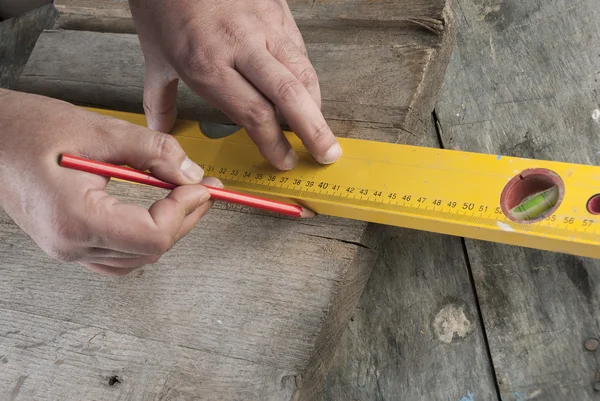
{"x":67,"y":212}
{"x":246,"y":57}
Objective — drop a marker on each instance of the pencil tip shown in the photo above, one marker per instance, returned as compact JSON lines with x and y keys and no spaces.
{"x":305,"y":214}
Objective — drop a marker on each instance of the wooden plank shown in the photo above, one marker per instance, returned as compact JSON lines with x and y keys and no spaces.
{"x":114,"y":15}
{"x":17,"y":39}
{"x":44,"y":358}
{"x":416,"y":333}
{"x":254,"y":303}
{"x":379,"y":97}
{"x":387,"y":104}
{"x":524,"y":82}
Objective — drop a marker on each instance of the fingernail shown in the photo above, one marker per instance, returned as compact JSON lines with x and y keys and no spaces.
{"x":191,"y":170}
{"x":290,"y":160}
{"x":332,"y":154}
{"x":212,"y":182}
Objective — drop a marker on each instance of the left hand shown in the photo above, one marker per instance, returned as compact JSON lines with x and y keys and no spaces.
{"x":246,"y":57}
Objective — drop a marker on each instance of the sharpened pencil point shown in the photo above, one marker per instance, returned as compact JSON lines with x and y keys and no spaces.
{"x":305,"y":214}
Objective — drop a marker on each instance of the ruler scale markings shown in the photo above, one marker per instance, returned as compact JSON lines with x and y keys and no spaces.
{"x":449,"y":192}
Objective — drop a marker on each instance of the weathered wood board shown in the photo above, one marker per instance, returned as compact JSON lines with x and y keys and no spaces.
{"x":114,"y":15}
{"x":525,"y":81}
{"x":281,"y":315}
{"x":17,"y":38}
{"x":251,"y":303}
{"x":416,"y":333}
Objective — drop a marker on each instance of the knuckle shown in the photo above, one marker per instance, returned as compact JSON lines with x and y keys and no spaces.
{"x":195,"y":61}
{"x":308,"y":77}
{"x":321,"y":134}
{"x":260,"y":114}
{"x":161,"y":244}
{"x":202,"y":61}
{"x":289,"y":90}
{"x":165,"y":145}
{"x":232,"y":33}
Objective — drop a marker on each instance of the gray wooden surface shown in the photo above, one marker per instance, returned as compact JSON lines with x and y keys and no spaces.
{"x":269,"y":320}
{"x":525,"y":81}
{"x":252,"y":310}
{"x":114,"y":15}
{"x":18,"y":37}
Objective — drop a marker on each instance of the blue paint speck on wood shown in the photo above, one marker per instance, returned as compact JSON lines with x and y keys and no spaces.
{"x":469,"y":397}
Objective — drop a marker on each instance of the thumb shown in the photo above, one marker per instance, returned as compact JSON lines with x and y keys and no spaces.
{"x":160,"y":96}
{"x":144,"y":149}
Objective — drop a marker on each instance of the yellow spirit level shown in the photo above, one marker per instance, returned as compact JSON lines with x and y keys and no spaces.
{"x":538,"y":204}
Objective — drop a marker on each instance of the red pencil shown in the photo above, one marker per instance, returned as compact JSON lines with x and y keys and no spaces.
{"x":128,"y":174}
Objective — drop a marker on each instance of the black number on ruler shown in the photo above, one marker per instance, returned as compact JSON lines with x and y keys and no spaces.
{"x":247,"y":174}
{"x":335,"y":187}
{"x":468,"y":206}
{"x":498,"y":210}
{"x":297,"y":181}
{"x":569,"y":220}
{"x":421,"y":200}
{"x":392,"y":195}
{"x":222,"y":170}
{"x":377,"y":193}
{"x":283,"y":180}
{"x":350,"y":189}
{"x":551,"y":218}
{"x":483,"y":208}
{"x":271,"y":178}
{"x":452,"y":204}
{"x":234,"y":172}
{"x":323,"y":185}
{"x":310,"y":183}
{"x":259,"y":176}
{"x":587,"y":222}
{"x":209,"y":168}
{"x":364,"y":191}
{"x":437,"y":202}
{"x":406,"y":198}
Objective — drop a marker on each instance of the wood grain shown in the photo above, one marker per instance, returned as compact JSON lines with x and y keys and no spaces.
{"x":18,"y":36}
{"x":363,"y":84}
{"x":253,"y":303}
{"x":48,"y":359}
{"x":524,"y":81}
{"x":416,"y":333}
{"x":115,"y":16}
{"x":379,"y":71}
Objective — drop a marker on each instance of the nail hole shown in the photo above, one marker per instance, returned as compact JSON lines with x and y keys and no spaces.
{"x":532,"y":195}
{"x":113,"y":380}
{"x":593,"y":205}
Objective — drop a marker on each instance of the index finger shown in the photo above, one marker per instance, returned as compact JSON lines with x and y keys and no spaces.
{"x":294,"y":102}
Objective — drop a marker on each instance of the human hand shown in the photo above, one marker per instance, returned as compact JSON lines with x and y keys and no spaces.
{"x":245,"y":57}
{"x":67,"y":212}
